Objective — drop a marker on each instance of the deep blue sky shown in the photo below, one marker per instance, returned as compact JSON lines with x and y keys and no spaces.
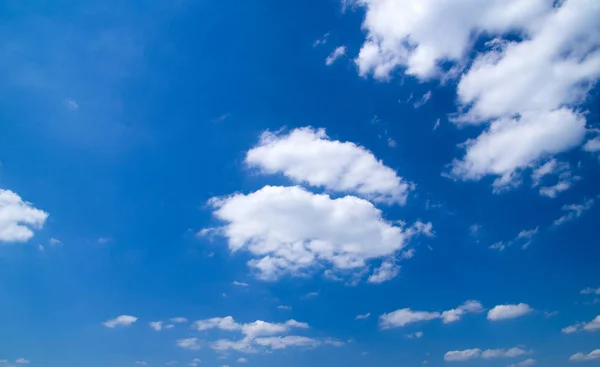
{"x":122,"y":119}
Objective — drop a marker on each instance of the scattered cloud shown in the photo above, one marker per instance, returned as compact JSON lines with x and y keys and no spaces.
{"x":22,"y":361}
{"x":156,"y":325}
{"x":322,"y":40}
{"x":307,"y":155}
{"x":578,"y":357}
{"x":291,"y":231}
{"x":311,"y":295}
{"x":179,"y":320}
{"x":526,"y":363}
{"x":550,"y":313}
{"x":456,"y":314}
{"x":240,"y":284}
{"x":416,"y":335}
{"x":282,"y":342}
{"x":574,"y":211}
{"x":18,"y":218}
{"x":525,"y":237}
{"x":336,"y":54}
{"x":423,"y":100}
{"x":503,"y":353}
{"x":590,"y":290}
{"x":189,"y":343}
{"x":468,"y":354}
{"x":387,"y":271}
{"x":462,"y":355}
{"x":405,"y":316}
{"x":504,"y":312}
{"x":436,"y":125}
{"x":242,"y":360}
{"x":195,"y":362}
{"x":591,"y":326}
{"x":123,"y":320}
{"x":282,"y":307}
{"x":362,"y":317}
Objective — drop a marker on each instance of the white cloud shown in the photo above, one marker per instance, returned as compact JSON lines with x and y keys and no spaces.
{"x":574,"y":211}
{"x":222,"y":323}
{"x":553,"y":167}
{"x":421,"y":102}
{"x":141,"y":363}
{"x":282,"y":342}
{"x":503,"y":353}
{"x":289,"y":230}
{"x":71,"y":105}
{"x":22,"y":361}
{"x":404,"y":317}
{"x":578,"y":357}
{"x":462,"y":355}
{"x":503,"y":312}
{"x":307,"y":155}
{"x":282,"y":307}
{"x":322,"y":40}
{"x":123,"y":320}
{"x":189,"y":343}
{"x":387,"y":271}
{"x":336,"y":54}
{"x":526,"y":363}
{"x":18,"y":218}
{"x":250,"y":330}
{"x":311,"y":295}
{"x":591,"y":326}
{"x":419,"y":34}
{"x":592,"y":145}
{"x":195,"y":362}
{"x":54,"y":241}
{"x":242,"y":360}
{"x":179,"y":320}
{"x":362,"y":317}
{"x":590,"y":290}
{"x":513,"y":144}
{"x":156,"y":325}
{"x":416,"y":335}
{"x":240,"y":284}
{"x":455,"y":314}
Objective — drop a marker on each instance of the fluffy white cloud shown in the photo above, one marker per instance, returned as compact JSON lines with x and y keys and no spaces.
{"x":593,"y":325}
{"x":526,"y":363}
{"x":419,"y":34}
{"x":456,"y":313}
{"x":511,"y":144}
{"x":292,"y":231}
{"x":404,"y":317}
{"x":462,"y":355}
{"x":503,"y":312}
{"x":592,"y":145}
{"x":223,"y":323}
{"x":578,"y":357}
{"x":503,"y":353}
{"x":189,"y":343}
{"x":123,"y":320}
{"x":336,"y":54}
{"x":156,"y":325}
{"x":574,"y":211}
{"x":307,"y":155}
{"x":387,"y":271}
{"x":250,"y":330}
{"x":18,"y":218}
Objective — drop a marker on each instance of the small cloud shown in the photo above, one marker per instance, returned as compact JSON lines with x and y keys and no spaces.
{"x":171,"y":363}
{"x":22,"y":361}
{"x":322,"y":40}
{"x":169,"y":326}
{"x":240,"y":284}
{"x":195,"y":362}
{"x":391,"y":143}
{"x":221,"y":118}
{"x":436,"y":125}
{"x":550,"y":313}
{"x":103,"y":240}
{"x":179,"y":320}
{"x":282,"y":307}
{"x":189,"y":343}
{"x":123,"y":320}
{"x":242,"y":360}
{"x":71,"y":105}
{"x":141,"y":363}
{"x":41,"y":248}
{"x":590,"y":290}
{"x":362,"y":317}
{"x":593,"y":355}
{"x":424,"y":99}
{"x":54,"y":241}
{"x":417,"y":335}
{"x":336,"y":54}
{"x":311,"y":295}
{"x":156,"y":325}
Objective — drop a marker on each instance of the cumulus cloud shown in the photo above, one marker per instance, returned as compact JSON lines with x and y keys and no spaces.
{"x":282,"y":342}
{"x":527,"y":89}
{"x":503,"y":353}
{"x":578,"y":357}
{"x":189,"y":343}
{"x":405,"y":316}
{"x":387,"y":271}
{"x":456,"y":313}
{"x":591,"y":290}
{"x":592,"y":145}
{"x":503,"y":312}
{"x":574,"y":211}
{"x":591,"y":326}
{"x":123,"y":320}
{"x":336,"y":54}
{"x":289,"y":230}
{"x":462,"y":355}
{"x":18,"y":218}
{"x":307,"y":155}
{"x":156,"y":325}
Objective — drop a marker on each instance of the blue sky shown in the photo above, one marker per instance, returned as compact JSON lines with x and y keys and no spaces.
{"x":267,"y":183}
